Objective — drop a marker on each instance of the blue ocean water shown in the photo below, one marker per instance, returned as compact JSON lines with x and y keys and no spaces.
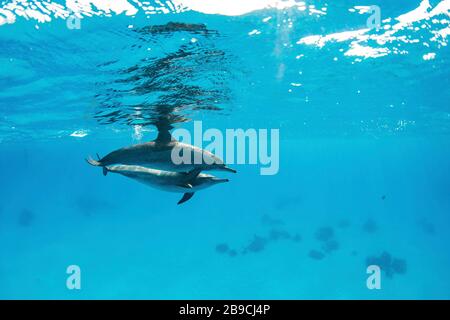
{"x":364,"y":175}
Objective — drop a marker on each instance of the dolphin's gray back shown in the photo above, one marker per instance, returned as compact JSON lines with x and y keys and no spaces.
{"x":134,"y":154}
{"x":159,"y":156}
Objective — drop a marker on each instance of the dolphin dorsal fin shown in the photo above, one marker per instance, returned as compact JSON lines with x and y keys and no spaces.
{"x":163,"y":126}
{"x":186,"y":197}
{"x":164,"y":136}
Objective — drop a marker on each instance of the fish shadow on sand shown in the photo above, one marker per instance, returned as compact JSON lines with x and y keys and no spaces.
{"x":370,"y":226}
{"x":259,"y":243}
{"x":326,"y":236}
{"x":89,"y":205}
{"x":316,"y":254}
{"x":344,"y":223}
{"x":388,"y":264}
{"x":427,"y":226}
{"x":223,"y":248}
{"x":287,"y":202}
{"x":272,"y":222}
{"x":26,"y":218}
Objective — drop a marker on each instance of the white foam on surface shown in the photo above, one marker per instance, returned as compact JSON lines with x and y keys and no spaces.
{"x":254,"y":32}
{"x":429,"y":56}
{"x":44,"y":11}
{"x":320,"y":41}
{"x":389,"y":34}
{"x":236,"y":7}
{"x":358,"y":50}
{"x":79,"y":133}
{"x":363,"y":42}
{"x":6,"y":17}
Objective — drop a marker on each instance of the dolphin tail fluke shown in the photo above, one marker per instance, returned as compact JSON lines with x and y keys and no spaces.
{"x":186,"y":197}
{"x":96,"y":163}
{"x":93,"y":162}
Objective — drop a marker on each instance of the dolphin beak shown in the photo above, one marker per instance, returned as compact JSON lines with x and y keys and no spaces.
{"x":218,"y":180}
{"x":229,"y":169}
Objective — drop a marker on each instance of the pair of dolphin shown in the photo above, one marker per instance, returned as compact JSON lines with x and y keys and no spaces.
{"x":151,"y":163}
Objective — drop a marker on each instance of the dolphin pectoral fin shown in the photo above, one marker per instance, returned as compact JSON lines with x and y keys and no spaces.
{"x":193,"y":173}
{"x":186,"y":185}
{"x":186,"y":197}
{"x":95,"y":163}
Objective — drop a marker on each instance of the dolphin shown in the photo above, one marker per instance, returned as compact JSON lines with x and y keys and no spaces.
{"x":181,"y":182}
{"x":157,"y":154}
